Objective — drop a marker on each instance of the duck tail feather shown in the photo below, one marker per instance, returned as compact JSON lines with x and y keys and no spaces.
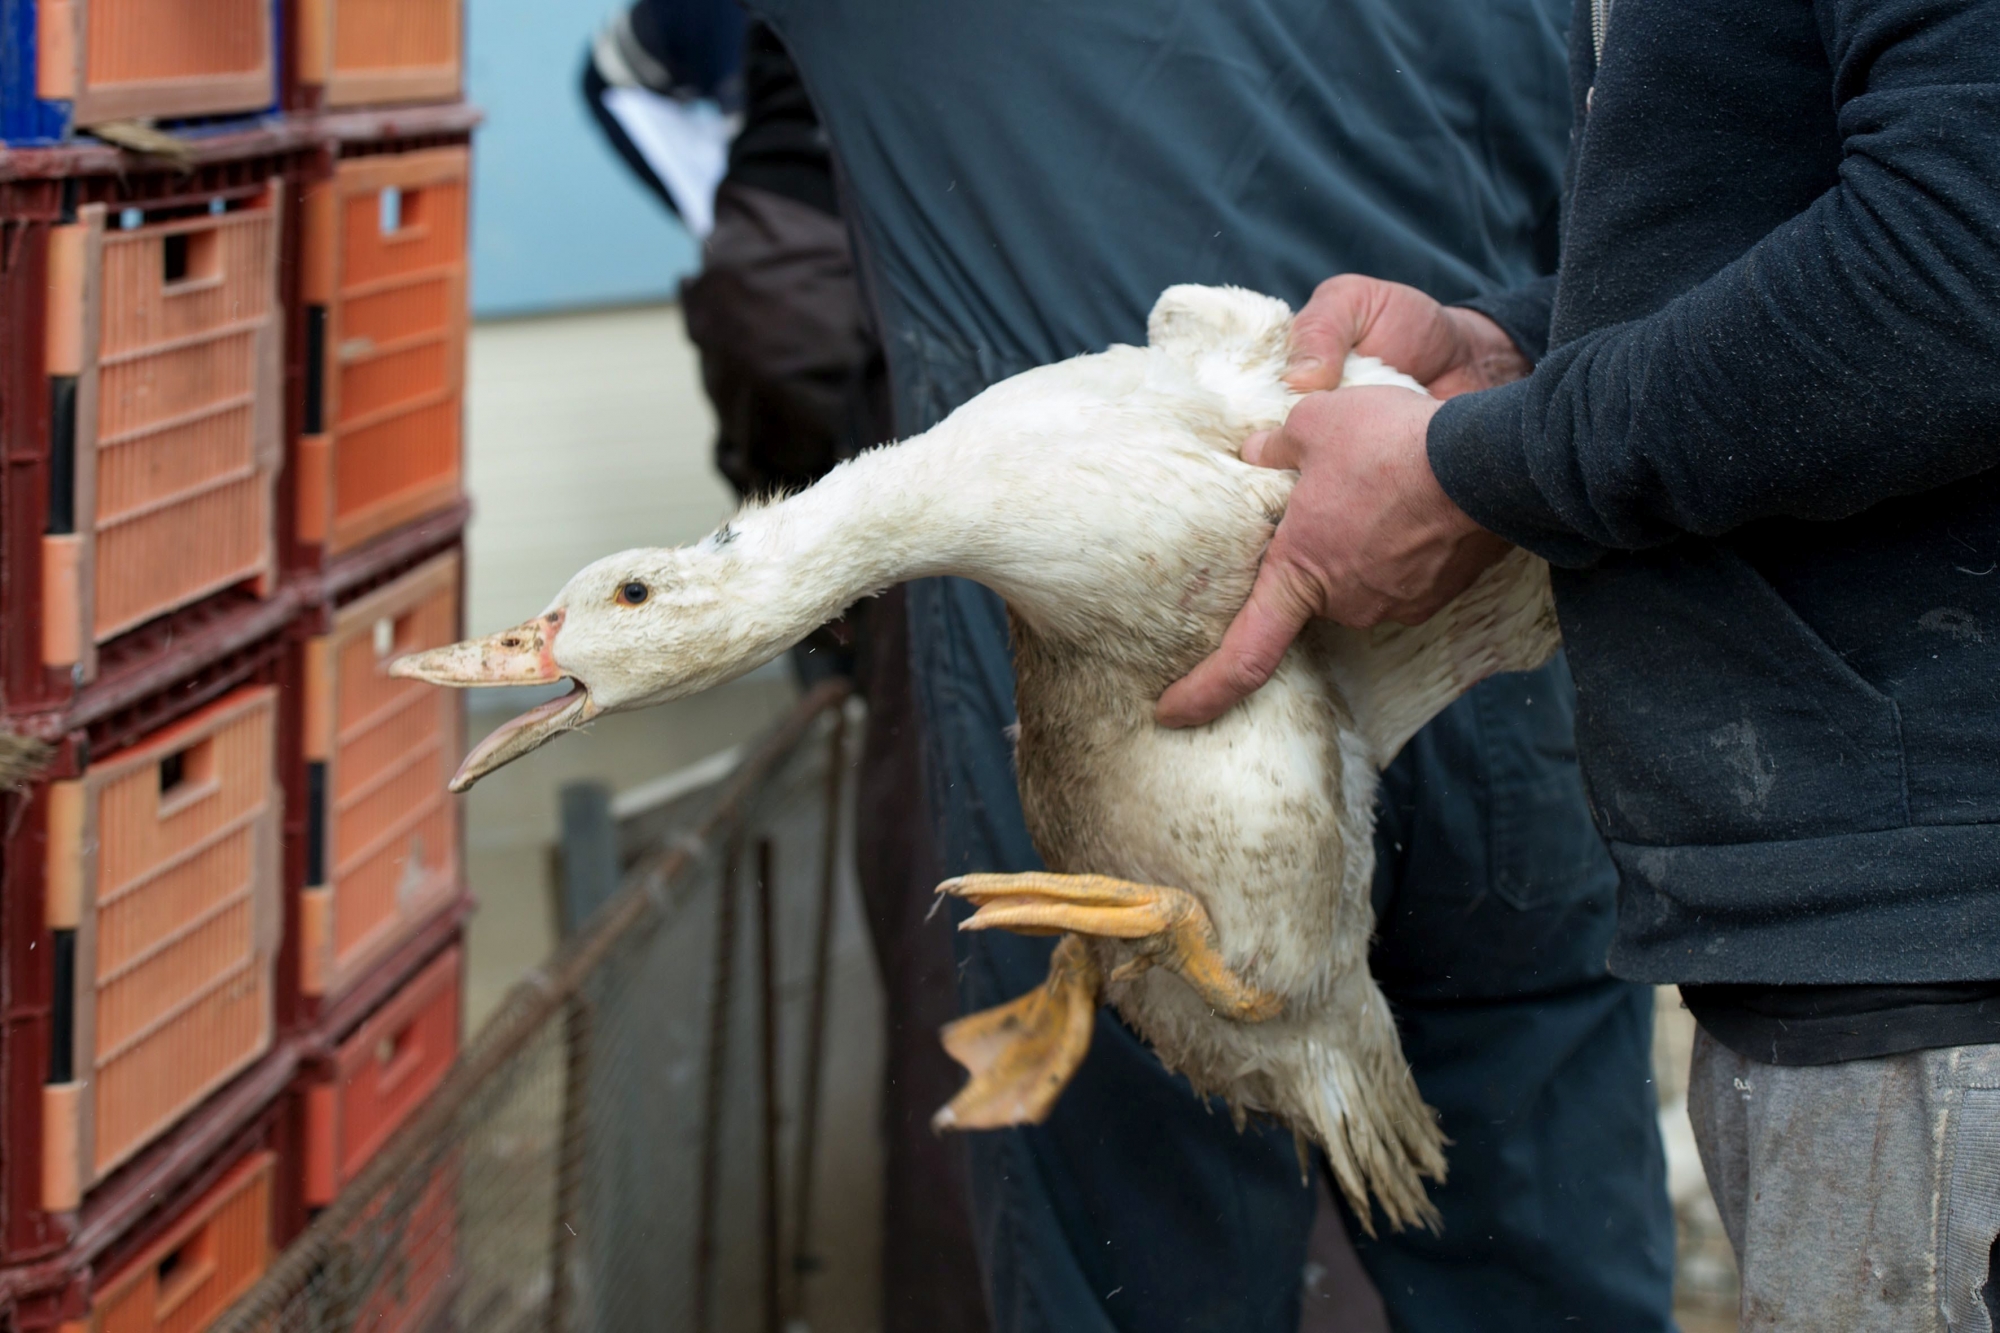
{"x":1362,"y":1106}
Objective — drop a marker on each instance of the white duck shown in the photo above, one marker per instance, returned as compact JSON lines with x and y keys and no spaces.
{"x":1103,"y":498}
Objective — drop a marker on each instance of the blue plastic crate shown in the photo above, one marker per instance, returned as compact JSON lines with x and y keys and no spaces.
{"x":241,"y":87}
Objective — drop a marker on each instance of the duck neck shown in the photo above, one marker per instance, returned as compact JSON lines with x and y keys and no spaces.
{"x":890,"y":515}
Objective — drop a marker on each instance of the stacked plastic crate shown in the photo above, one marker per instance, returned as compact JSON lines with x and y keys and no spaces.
{"x":230,"y":401}
{"x":378,"y":528}
{"x":379,"y":524}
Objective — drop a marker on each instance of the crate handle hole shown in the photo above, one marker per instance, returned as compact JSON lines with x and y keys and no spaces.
{"x":396,"y":1055}
{"x":187,"y":775}
{"x":182,"y":1272}
{"x":398,"y":209}
{"x":189,"y":257}
{"x":395,"y":636}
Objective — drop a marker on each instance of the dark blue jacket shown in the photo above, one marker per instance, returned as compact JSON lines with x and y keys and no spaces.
{"x":1762,"y":452}
{"x":1025,"y":178}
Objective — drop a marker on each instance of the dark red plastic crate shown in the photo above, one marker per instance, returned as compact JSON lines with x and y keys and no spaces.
{"x":47,"y":224}
{"x":38,"y":1026}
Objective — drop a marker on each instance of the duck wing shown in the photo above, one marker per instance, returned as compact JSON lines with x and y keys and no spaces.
{"x":1398,"y":677}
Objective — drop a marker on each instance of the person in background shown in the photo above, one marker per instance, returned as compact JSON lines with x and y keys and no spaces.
{"x":1022,"y":182}
{"x":792,"y":365}
{"x":664,"y":82}
{"x":1758,"y":446}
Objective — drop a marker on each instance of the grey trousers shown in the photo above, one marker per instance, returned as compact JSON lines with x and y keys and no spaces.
{"x":1860,"y":1197}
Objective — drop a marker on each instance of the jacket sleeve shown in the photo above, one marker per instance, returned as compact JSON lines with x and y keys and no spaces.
{"x":1522,"y":314}
{"x":1850,"y":356}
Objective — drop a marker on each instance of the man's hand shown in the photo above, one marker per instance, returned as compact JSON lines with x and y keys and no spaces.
{"x":1447,"y":350}
{"x":1368,"y":534}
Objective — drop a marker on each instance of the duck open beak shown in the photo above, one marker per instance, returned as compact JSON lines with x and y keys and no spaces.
{"x":532,"y":729}
{"x":524,"y":655}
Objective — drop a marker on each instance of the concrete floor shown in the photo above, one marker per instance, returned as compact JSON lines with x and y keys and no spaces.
{"x":588,"y":434}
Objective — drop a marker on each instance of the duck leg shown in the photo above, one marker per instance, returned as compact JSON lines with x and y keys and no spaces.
{"x":1170,"y":926}
{"x":1021,"y":1054}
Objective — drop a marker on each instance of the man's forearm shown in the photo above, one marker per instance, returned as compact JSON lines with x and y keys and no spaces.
{"x":1849,"y":356}
{"x":1787,"y":385}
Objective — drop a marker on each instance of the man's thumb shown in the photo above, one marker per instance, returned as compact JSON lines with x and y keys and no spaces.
{"x":1249,"y":654}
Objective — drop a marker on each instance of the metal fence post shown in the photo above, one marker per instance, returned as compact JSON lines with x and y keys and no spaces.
{"x":767,"y":969}
{"x":716,"y":1084}
{"x":588,"y":878}
{"x":564,"y":1240}
{"x":804,"y":1261}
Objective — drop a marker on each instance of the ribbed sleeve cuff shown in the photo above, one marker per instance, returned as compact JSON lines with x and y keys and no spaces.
{"x":1523,"y":313}
{"x":1478,"y":449}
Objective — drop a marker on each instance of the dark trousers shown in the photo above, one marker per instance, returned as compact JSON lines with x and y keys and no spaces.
{"x":930,"y":1275}
{"x":1137,"y":1208}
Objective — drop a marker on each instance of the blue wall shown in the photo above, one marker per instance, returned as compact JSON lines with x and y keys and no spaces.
{"x":557,"y":221}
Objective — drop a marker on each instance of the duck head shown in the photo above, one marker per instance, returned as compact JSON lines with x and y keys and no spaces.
{"x":628,"y":631}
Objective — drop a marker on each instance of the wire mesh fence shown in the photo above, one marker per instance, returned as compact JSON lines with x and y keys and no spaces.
{"x":631,"y":1141}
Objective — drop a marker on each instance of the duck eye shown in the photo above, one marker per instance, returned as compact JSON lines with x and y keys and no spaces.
{"x":633,"y":593}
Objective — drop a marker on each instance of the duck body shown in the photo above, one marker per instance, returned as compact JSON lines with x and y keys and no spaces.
{"x":1104,"y":500}
{"x":1266,"y":814}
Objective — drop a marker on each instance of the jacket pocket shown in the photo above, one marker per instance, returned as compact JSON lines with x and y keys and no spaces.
{"x":1709,"y":712}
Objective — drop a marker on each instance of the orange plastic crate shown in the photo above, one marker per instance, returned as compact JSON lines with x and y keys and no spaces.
{"x":163,"y":888}
{"x":212,"y":1255}
{"x":117,"y":59}
{"x":383,"y":847}
{"x":165,"y":339}
{"x":384,"y":287}
{"x":381,"y":1074}
{"x":380,"y":51}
